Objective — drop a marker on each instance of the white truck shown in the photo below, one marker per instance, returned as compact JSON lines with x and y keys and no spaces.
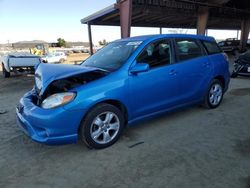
{"x":18,"y":63}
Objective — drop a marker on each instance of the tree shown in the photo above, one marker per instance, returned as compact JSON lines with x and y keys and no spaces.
{"x":103,"y":42}
{"x":61,"y":42}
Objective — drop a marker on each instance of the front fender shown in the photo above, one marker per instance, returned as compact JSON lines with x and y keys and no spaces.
{"x":109,"y":88}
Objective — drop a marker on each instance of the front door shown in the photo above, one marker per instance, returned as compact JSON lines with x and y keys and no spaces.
{"x":158,"y":88}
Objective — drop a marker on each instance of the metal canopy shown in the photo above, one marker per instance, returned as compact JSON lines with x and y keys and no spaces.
{"x":102,"y":13}
{"x":223,"y":14}
{"x":199,"y":14}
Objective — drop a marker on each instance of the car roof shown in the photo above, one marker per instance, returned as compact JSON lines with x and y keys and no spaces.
{"x":155,"y":37}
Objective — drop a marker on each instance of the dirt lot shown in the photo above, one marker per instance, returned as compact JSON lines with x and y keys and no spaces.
{"x":78,"y":57}
{"x":190,"y":148}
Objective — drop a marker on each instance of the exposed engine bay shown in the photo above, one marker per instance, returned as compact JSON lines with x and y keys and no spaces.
{"x":68,"y":83}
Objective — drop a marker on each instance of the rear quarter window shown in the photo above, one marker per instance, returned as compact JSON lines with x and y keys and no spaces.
{"x":211,"y":47}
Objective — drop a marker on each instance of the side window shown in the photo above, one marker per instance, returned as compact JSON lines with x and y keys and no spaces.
{"x":187,"y":49}
{"x":211,"y":47}
{"x":156,"y":54}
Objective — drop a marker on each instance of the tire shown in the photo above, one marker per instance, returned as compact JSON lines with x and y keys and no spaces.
{"x":214,"y":94}
{"x":5,"y":73}
{"x":102,"y":126}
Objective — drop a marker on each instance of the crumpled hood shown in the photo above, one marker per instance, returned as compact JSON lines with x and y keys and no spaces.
{"x":47,"y":73}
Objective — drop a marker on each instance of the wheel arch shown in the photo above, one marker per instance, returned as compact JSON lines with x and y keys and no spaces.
{"x":118,"y":104}
{"x":221,"y":79}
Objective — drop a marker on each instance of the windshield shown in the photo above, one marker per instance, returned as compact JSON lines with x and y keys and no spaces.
{"x":112,"y":56}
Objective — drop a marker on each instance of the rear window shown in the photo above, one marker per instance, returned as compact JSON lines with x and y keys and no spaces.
{"x":211,"y":47}
{"x":188,"y":49}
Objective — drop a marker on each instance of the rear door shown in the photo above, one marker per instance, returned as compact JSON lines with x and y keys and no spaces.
{"x":219,"y":62}
{"x":195,"y":69}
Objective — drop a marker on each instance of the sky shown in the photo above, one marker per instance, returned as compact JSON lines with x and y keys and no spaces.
{"x":48,"y":20}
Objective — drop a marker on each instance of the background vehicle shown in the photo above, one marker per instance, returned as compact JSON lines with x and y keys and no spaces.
{"x":126,"y":81}
{"x":242,"y":65}
{"x":18,"y":62}
{"x":232,"y":45}
{"x":40,"y":49}
{"x":55,"y":57}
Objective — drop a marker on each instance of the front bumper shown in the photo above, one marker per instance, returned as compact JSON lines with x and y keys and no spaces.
{"x":48,"y":126}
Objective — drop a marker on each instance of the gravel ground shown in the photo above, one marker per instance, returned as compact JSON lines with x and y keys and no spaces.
{"x":191,"y":148}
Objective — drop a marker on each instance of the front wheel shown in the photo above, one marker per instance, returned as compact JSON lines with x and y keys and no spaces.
{"x":214,"y":94}
{"x":102,"y":126}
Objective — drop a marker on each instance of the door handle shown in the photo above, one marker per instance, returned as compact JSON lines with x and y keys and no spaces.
{"x":172,"y":73}
{"x":206,"y":64}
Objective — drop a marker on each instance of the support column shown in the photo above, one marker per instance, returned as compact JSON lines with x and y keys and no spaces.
{"x":245,"y":28}
{"x":237,"y":34}
{"x":90,"y":39}
{"x":125,"y":7}
{"x":203,"y":14}
{"x":160,"y":30}
{"x":206,"y":32}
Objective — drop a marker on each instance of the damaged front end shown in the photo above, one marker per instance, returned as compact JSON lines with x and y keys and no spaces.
{"x":39,"y":114}
{"x":59,"y":83}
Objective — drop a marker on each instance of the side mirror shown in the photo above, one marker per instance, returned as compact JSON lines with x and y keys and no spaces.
{"x":139,"y":67}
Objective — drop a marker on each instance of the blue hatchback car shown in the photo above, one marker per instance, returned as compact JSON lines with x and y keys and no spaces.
{"x":126,"y":81}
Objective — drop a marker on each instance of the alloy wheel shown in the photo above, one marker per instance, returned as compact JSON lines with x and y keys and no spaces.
{"x":105,"y":127}
{"x":215,"y":94}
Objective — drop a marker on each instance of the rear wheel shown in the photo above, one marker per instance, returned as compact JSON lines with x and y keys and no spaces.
{"x":102,"y":126}
{"x":214,"y":94}
{"x":5,"y":73}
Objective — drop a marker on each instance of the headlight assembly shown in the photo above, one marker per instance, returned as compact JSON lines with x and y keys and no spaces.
{"x":58,"y":99}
